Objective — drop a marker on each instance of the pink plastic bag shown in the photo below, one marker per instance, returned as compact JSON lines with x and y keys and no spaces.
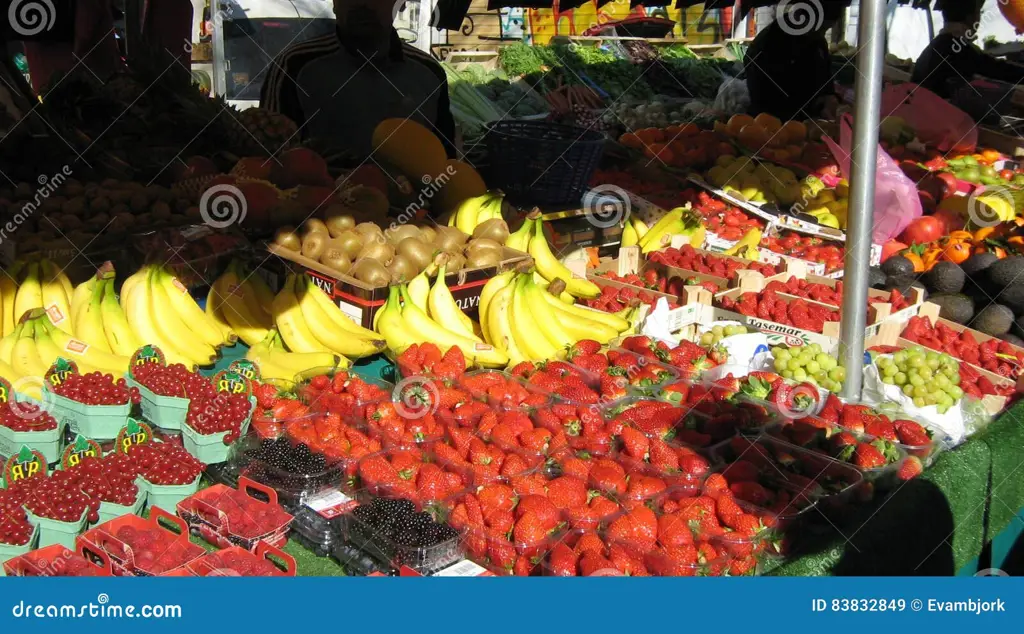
{"x":937,"y":122}
{"x":896,"y":201}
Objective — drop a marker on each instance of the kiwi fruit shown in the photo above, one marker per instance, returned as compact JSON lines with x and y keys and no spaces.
{"x":314,"y":225}
{"x":483,"y":258}
{"x":313,"y":245}
{"x":334,"y":258}
{"x":397,"y":234}
{"x":76,"y":206}
{"x":367,"y":229}
{"x":286,"y":238}
{"x":401,"y":269}
{"x":494,"y":229}
{"x":416,"y":252}
{"x":428,"y":235}
{"x":139,"y":201}
{"x":449,"y":239}
{"x":456,"y":261}
{"x":161,"y":210}
{"x":370,"y":272}
{"x":337,"y":225}
{"x":383,"y":252}
{"x":483,"y":245}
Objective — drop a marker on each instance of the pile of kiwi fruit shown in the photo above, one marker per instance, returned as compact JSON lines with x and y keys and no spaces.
{"x":379,"y":257}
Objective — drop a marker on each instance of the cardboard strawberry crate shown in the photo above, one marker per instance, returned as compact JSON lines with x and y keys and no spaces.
{"x":670,"y":271}
{"x":58,"y":561}
{"x":166,"y":549}
{"x":267,"y":561}
{"x":241,"y":517}
{"x":814,"y":268}
{"x":878,"y":333}
{"x":361,"y":301}
{"x":993,"y":404}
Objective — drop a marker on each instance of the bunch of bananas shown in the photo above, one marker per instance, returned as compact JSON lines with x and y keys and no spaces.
{"x":525,"y":319}
{"x":530,"y":238}
{"x":477,"y":210}
{"x":633,"y":231}
{"x":36,"y":343}
{"x":99,"y":319}
{"x":420,"y":313}
{"x":239,"y":302}
{"x":36,"y":284}
{"x":278,"y":365}
{"x":681,"y":221}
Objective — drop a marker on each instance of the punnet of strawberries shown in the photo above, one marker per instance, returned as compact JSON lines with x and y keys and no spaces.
{"x":502,"y":390}
{"x":804,"y":247}
{"x":724,"y":220}
{"x":615,"y":299}
{"x":768,"y":305}
{"x":833,"y":296}
{"x":427,"y":359}
{"x":994,"y":355}
{"x":686,"y":257}
{"x":409,"y":473}
{"x":344,"y":393}
{"x":689,"y":357}
{"x":570,"y":382}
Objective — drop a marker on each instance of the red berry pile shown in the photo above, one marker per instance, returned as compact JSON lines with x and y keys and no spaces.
{"x":15,"y":529}
{"x":809,"y":248}
{"x":614,"y":299}
{"x":223,"y":412}
{"x":564,"y":380}
{"x":165,"y":463}
{"x":110,"y":479}
{"x":153,"y":550}
{"x":481,"y":460}
{"x":327,"y":435}
{"x":650,"y":279}
{"x":965,"y":347}
{"x":584,"y":427}
{"x":26,"y":417}
{"x":96,"y":388}
{"x":344,"y":393}
{"x":828,"y":295}
{"x":724,"y":220}
{"x":407,"y":473}
{"x":767,"y":305}
{"x":236,"y":562}
{"x":426,"y":358}
{"x":397,"y":426}
{"x":977,"y":385}
{"x":245,"y":516}
{"x":502,"y":391}
{"x":60,"y":497}
{"x":174,"y":380}
{"x":687,"y":356}
{"x":689,"y":258}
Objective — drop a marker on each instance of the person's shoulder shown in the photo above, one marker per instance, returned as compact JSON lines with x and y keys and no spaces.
{"x":311,"y":48}
{"x":415,"y":55}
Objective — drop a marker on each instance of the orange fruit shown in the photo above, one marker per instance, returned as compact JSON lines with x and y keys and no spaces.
{"x":631,"y":140}
{"x":754,"y":136}
{"x":795,"y":132}
{"x":768,"y":122}
{"x":737,"y":122}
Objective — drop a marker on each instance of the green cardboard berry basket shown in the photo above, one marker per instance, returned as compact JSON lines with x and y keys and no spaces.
{"x":56,"y":532}
{"x":210,"y":448}
{"x":109,"y":510}
{"x":166,"y":412}
{"x":10,"y":551}
{"x":45,"y":442}
{"x":167,"y":496}
{"x":98,"y":422}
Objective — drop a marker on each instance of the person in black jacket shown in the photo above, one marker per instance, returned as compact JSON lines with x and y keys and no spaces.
{"x":788,"y":67}
{"x":952,"y":60}
{"x":338,"y":87}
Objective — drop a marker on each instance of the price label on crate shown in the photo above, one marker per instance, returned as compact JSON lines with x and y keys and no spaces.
{"x":79,"y":450}
{"x":134,"y":433}
{"x":23,"y":465}
{"x":60,"y":371}
{"x":228,"y":382}
{"x":331,"y":504}
{"x":6,"y":391}
{"x":148,"y":354}
{"x":250,"y":370}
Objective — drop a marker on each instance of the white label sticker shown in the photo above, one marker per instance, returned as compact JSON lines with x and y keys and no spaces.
{"x":330,"y":504}
{"x":464,"y":568}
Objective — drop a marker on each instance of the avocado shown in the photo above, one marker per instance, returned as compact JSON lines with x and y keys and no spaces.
{"x":944,"y":277}
{"x":954,"y":307}
{"x":994,"y":319}
{"x":1013,"y":340}
{"x":898,"y":265}
{"x":876,"y":278}
{"x":978,"y":263}
{"x":899,"y":281}
{"x":1004,"y":272}
{"x":1013,"y":297}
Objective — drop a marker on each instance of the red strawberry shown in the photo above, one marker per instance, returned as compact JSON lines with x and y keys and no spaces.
{"x":567,"y":492}
{"x":529,"y":534}
{"x":911,"y":467}
{"x":634,"y":443}
{"x":562,"y":561}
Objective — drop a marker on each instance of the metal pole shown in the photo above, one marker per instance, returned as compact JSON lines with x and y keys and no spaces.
{"x":867,"y":104}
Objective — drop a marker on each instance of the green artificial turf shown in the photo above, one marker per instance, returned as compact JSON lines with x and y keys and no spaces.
{"x":1005,"y":437}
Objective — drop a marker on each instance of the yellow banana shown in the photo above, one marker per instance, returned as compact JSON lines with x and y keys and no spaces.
{"x":328,"y":326}
{"x":25,"y":358}
{"x":588,"y":315}
{"x":390,"y":324}
{"x":135,"y":301}
{"x":7,"y":372}
{"x":89,"y":321}
{"x":419,"y":288}
{"x":630,"y":238}
{"x":80,"y":351}
{"x":528,"y":336}
{"x":121,"y":339}
{"x":549,"y":266}
{"x":426,"y":329}
{"x":500,"y":327}
{"x":290,"y":322}
{"x":639,"y":226}
{"x":172,"y":326}
{"x":181,"y":302}
{"x":80,"y":297}
{"x":229,"y":300}
{"x":216,"y":314}
{"x":7,"y":344}
{"x":520,"y":239}
{"x":444,"y":310}
{"x":332,"y":310}
{"x":277,"y":363}
{"x":467,"y":216}
{"x":264,"y":296}
{"x":547,"y":321}
{"x":49,"y":352}
{"x":56,"y":299}
{"x":487,"y":294}
{"x":8,"y":293}
{"x":662,"y":227}
{"x":30,"y":293}
{"x":664,"y":237}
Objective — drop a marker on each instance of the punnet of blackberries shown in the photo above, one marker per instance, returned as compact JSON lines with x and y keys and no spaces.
{"x":394,"y":530}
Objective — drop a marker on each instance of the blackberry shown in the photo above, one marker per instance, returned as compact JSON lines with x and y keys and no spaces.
{"x":367,"y":515}
{"x":446,"y":533}
{"x":408,"y":536}
{"x":394,"y":507}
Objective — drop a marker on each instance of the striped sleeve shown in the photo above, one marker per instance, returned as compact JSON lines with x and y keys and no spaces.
{"x":280,"y":90}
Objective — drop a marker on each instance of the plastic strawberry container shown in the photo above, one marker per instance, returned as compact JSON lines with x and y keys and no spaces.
{"x":410,"y":465}
{"x":57,"y":561}
{"x":166,"y":532}
{"x":638,"y":365}
{"x":348,"y":405}
{"x":217,"y":515}
{"x":355,"y":530}
{"x":313,"y":531}
{"x":266,"y":561}
{"x":487,"y":385}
